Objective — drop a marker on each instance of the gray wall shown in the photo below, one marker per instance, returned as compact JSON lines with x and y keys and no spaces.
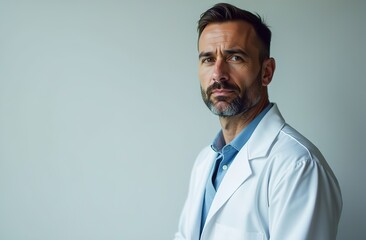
{"x":101,"y":116}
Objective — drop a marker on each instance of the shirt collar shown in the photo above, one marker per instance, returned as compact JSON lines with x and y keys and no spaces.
{"x":219,"y":142}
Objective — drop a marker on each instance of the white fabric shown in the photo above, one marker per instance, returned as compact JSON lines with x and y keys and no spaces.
{"x":278,"y":187}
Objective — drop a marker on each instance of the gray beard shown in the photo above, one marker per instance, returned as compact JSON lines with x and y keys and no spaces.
{"x":232,"y":109}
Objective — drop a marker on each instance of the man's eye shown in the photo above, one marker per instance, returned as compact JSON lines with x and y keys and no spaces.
{"x":207,"y":60}
{"x":235,"y":58}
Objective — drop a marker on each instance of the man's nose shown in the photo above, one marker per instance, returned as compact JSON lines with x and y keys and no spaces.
{"x":220,"y":73}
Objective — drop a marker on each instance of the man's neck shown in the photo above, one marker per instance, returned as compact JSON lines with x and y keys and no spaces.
{"x":233,"y":125}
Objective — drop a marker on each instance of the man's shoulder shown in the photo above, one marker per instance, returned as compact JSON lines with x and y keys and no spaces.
{"x":290,"y":142}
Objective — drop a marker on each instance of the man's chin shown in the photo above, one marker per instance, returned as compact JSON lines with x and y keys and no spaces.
{"x":223,"y":110}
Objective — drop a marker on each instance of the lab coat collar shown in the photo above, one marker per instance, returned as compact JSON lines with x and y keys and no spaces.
{"x":265,"y":133}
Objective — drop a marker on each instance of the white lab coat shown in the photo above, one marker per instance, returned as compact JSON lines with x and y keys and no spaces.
{"x":278,"y":187}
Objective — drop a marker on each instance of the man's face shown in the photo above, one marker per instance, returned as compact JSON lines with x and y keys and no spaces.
{"x":229,"y":69}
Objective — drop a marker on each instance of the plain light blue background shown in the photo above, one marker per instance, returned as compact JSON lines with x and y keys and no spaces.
{"x":101,"y":115}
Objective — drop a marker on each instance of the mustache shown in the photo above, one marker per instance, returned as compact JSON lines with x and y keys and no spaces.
{"x":221,"y":85}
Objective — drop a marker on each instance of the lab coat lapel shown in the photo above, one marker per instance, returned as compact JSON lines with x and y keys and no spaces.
{"x":238,"y":172}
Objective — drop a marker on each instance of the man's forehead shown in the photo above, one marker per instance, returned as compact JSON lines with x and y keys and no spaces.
{"x":229,"y":34}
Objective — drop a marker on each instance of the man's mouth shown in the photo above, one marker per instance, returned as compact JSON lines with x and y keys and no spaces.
{"x":222,"y":91}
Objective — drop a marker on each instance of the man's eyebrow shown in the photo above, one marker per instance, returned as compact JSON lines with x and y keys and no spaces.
{"x":236,"y":51}
{"x":227,"y":52}
{"x":204,"y":54}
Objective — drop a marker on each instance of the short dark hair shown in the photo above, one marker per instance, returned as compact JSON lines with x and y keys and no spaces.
{"x":224,"y":12}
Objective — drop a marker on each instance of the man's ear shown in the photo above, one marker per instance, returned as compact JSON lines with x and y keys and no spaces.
{"x":268,"y":68}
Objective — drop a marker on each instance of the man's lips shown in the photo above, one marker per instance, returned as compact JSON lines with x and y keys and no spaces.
{"x":222,"y":91}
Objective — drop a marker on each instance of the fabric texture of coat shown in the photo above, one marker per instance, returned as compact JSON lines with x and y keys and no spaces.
{"x":278,"y":187}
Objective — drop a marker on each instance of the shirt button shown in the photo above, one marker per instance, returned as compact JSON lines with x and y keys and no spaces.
{"x":224,"y":167}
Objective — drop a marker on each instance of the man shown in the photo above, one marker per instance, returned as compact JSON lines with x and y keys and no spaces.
{"x":260,"y":179}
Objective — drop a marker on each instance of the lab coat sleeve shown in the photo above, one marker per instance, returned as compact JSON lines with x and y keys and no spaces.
{"x":179,"y":235}
{"x":305,"y":203}
{"x":184,"y":228}
{"x":183,"y":231}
